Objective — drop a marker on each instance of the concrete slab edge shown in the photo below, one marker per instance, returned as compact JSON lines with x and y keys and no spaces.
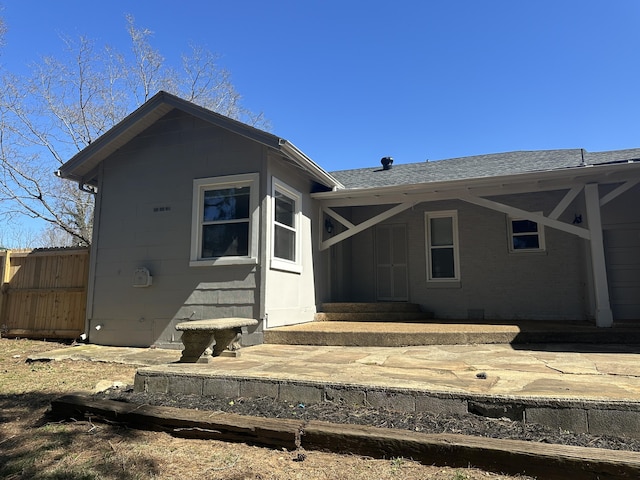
{"x":502,"y":456}
{"x":580,"y":416}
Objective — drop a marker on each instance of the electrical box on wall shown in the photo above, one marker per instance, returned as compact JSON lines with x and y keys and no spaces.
{"x":142,"y":277}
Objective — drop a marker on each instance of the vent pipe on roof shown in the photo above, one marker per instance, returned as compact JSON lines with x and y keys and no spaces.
{"x":386,"y":163}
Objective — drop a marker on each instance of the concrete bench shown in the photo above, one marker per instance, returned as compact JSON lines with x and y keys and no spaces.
{"x":198,"y":335}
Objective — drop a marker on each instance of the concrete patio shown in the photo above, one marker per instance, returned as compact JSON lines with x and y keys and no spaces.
{"x":590,"y":388}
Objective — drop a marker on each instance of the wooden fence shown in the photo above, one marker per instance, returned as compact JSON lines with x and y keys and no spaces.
{"x":43,"y":292}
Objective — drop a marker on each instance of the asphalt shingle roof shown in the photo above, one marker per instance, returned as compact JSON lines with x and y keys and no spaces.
{"x":479,"y":166}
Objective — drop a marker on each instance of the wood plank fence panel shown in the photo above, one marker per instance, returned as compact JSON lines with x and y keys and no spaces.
{"x":43,"y":292}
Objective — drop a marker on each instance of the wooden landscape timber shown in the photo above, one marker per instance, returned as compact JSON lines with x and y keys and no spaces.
{"x":503,"y":456}
{"x":186,"y":423}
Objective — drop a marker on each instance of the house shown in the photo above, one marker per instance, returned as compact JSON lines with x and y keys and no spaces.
{"x":200,"y":216}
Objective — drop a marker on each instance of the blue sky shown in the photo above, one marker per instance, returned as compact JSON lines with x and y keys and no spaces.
{"x":349,"y":82}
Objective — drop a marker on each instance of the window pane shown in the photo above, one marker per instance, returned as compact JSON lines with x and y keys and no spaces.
{"x":285,"y":243}
{"x":442,"y":231}
{"x":522,"y":242}
{"x":226,"y":204}
{"x":442,"y":263}
{"x":223,"y":240}
{"x":524,"y":226}
{"x":285,"y":209}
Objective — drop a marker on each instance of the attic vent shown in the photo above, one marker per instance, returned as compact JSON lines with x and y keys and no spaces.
{"x":386,"y":163}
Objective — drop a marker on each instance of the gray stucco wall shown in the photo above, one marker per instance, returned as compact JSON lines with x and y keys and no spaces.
{"x":145,"y":221}
{"x":621,"y":231}
{"x":494,"y":283}
{"x":290,"y":297}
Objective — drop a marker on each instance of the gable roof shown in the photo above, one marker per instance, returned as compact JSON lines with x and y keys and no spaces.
{"x":82,"y":167}
{"x":480,"y":166}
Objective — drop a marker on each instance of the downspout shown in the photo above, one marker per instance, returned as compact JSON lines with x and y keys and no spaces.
{"x":93,"y":251}
{"x":262,"y":271}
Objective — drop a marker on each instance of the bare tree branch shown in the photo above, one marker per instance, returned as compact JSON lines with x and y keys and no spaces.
{"x":69,"y":101}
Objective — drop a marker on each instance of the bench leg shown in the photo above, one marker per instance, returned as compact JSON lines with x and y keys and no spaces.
{"x":224,"y":338}
{"x":195,"y":344}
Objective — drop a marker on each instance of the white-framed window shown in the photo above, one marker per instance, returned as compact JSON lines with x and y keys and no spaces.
{"x":443,"y":264}
{"x":525,"y":235}
{"x":225,"y":220}
{"x":286,"y":217}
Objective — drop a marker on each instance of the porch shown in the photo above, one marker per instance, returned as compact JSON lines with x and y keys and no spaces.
{"x":453,"y":332}
{"x":400,"y":324}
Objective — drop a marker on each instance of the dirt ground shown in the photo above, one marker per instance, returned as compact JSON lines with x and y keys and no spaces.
{"x":33,"y":447}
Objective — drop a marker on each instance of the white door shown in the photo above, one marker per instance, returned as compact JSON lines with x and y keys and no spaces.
{"x":391,"y":263}
{"x":622,"y":251}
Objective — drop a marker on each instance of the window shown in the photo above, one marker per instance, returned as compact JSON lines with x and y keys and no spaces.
{"x":286,"y":227}
{"x":225,"y":220}
{"x":442,"y":246}
{"x":525,"y":235}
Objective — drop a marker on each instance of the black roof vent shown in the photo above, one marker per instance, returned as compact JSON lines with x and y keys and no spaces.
{"x":386,"y":163}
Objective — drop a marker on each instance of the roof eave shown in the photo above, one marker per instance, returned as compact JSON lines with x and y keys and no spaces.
{"x":140,"y":119}
{"x":81,"y":167}
{"x":587,"y":174}
{"x":295,"y":154}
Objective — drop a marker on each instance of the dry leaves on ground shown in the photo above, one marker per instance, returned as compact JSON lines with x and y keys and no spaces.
{"x":34,"y":448}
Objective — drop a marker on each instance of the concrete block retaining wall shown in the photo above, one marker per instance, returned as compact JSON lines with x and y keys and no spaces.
{"x":598,"y":418}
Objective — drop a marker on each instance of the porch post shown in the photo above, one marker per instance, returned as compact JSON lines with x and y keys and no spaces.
{"x":604,"y":317}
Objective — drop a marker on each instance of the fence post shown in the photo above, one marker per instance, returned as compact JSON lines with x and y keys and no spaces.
{"x":4,"y":283}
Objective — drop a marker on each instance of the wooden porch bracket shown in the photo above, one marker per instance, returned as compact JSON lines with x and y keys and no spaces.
{"x":336,"y":216}
{"x":618,"y":191}
{"x":565,"y":202}
{"x":354,"y":229}
{"x":593,"y":202}
{"x":534,"y":217}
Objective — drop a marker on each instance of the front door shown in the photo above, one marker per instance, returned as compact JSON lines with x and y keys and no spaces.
{"x":391,"y":263}
{"x":622,"y":251}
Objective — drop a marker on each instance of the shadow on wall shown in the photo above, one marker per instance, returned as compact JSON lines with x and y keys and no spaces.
{"x":148,"y":316}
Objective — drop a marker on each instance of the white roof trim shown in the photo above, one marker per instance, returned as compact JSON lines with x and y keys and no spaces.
{"x":305,"y":162}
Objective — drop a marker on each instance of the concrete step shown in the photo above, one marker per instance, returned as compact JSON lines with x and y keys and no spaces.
{"x":383,"y":334}
{"x":401,"y":334}
{"x":360,"y":307}
{"x":372,"y":317}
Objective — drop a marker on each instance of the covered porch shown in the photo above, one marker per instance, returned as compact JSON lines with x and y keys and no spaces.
{"x":455,"y":249}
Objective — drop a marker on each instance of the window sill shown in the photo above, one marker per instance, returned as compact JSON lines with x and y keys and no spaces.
{"x":285,"y":266}
{"x":216,"y":262}
{"x":525,"y":253}
{"x":444,"y":284}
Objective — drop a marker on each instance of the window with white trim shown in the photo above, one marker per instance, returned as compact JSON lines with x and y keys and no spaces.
{"x":285,"y":239}
{"x":442,"y":246}
{"x":525,"y":235}
{"x":225,"y":220}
